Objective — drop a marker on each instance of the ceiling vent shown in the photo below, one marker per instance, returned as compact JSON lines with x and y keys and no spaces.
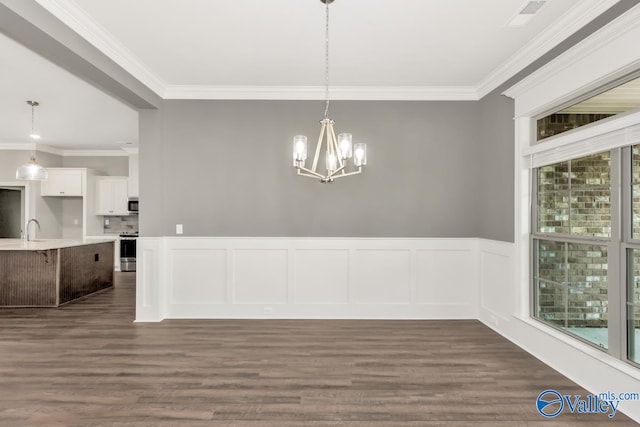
{"x":527,"y":12}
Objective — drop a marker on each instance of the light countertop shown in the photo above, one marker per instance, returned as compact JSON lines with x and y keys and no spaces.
{"x":45,"y":244}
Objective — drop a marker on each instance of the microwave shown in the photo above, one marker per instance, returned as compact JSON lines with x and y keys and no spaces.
{"x":133,"y":206}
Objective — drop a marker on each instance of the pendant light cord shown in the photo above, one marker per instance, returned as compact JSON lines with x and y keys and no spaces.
{"x":326,"y":64}
{"x":33,"y":121}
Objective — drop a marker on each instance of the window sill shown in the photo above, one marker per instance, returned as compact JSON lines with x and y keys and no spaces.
{"x":620,"y":365}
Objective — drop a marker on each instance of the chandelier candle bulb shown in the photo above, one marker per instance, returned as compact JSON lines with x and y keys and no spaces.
{"x":332,"y":163}
{"x":346,"y":147}
{"x":360,"y":156}
{"x":299,"y":149}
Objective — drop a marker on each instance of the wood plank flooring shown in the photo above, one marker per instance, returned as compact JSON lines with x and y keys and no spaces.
{"x":88,"y":364}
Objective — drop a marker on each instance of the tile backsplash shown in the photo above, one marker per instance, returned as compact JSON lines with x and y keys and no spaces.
{"x":120,"y":224}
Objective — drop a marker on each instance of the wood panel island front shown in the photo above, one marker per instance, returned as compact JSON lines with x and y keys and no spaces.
{"x":50,"y":273}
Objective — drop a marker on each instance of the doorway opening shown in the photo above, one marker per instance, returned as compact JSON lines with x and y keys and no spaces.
{"x":12,"y":210}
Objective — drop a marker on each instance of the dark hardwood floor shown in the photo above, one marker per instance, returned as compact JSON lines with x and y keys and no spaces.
{"x":88,"y":364}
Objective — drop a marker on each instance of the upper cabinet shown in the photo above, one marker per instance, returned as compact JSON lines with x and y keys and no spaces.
{"x":63,"y":182}
{"x":112,"y":195}
{"x":133,"y":175}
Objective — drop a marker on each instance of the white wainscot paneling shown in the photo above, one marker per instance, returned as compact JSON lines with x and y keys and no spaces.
{"x":381,"y":276}
{"x":497,"y":282}
{"x":198,"y":276}
{"x":260,"y":276}
{"x":321,"y":276}
{"x":446,"y":276}
{"x":208,"y":277}
{"x":149,"y":280}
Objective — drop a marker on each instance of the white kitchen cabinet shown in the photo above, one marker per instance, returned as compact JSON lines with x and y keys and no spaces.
{"x":112,"y":195}
{"x":63,"y":182}
{"x":133,"y":175}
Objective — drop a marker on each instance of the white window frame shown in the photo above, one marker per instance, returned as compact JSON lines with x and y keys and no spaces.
{"x":602,"y":58}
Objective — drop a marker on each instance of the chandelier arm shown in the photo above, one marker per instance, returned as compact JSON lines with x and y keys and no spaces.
{"x":347,"y":174}
{"x":309,"y":173}
{"x":336,"y":172}
{"x":319,"y":145}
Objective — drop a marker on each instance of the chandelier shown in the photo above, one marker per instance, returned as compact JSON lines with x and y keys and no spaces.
{"x":338,"y":151}
{"x":32,"y":171}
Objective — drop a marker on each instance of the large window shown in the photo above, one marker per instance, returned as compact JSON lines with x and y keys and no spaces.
{"x":633,"y":260}
{"x":570,"y":244}
{"x":586,"y":249}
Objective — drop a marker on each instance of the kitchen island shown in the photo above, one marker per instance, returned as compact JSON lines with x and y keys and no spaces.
{"x":53,"y":272}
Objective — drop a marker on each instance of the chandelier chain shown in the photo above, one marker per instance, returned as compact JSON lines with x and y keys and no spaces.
{"x":326,"y":63}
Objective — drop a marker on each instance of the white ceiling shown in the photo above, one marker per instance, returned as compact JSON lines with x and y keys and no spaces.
{"x":72,"y":113}
{"x":404,"y":49}
{"x":280,"y":43}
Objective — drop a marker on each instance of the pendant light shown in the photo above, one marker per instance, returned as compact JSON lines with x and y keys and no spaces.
{"x":338,"y":150}
{"x":32,"y":171}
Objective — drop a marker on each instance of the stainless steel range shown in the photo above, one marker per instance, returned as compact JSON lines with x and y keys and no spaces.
{"x":128,"y":251}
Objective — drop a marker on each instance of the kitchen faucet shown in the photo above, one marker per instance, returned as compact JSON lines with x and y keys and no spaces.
{"x":26,"y":228}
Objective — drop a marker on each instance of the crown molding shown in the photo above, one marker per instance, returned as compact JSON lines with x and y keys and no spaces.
{"x":94,"y":153}
{"x":617,"y":28}
{"x":29,"y":146}
{"x":79,"y":21}
{"x":26,"y":146}
{"x":356,"y":93}
{"x":576,"y":18}
{"x":48,"y":149}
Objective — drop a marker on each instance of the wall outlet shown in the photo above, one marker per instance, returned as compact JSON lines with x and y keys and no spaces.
{"x":76,"y":222}
{"x":106,"y":222}
{"x":179,"y":229}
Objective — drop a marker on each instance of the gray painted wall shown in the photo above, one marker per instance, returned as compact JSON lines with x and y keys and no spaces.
{"x":102,"y":165}
{"x":223,"y":168}
{"x":71,"y":212}
{"x":11,"y":159}
{"x":496,"y":202}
